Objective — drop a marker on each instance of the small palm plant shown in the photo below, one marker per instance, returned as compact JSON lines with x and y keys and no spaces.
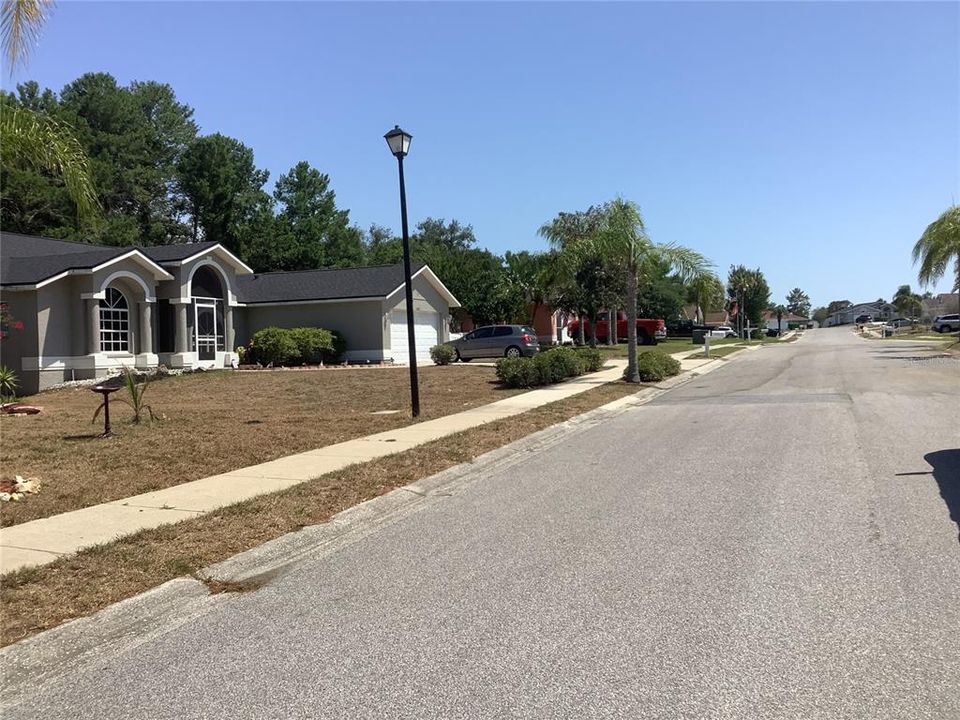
{"x":8,"y":384}
{"x":135,"y":391}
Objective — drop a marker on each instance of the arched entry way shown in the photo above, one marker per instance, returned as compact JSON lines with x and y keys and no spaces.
{"x":209,"y":321}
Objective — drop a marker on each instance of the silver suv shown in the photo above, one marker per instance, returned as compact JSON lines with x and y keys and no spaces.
{"x":496,"y":341}
{"x":946,"y":323}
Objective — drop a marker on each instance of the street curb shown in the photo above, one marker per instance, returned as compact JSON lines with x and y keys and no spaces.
{"x":121,"y":627}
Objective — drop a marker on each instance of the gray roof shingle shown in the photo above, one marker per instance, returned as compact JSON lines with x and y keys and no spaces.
{"x":29,"y":259}
{"x":170,"y":253}
{"x":29,"y":270}
{"x":326,"y":284}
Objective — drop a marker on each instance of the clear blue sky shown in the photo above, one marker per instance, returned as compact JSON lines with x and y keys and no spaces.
{"x":814,"y":140}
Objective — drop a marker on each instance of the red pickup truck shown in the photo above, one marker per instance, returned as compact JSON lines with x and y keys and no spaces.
{"x":649,"y":332}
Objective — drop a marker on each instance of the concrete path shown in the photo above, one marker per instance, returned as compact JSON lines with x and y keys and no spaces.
{"x":42,"y":541}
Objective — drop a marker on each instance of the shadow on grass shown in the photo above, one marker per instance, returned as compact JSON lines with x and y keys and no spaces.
{"x":78,"y":438}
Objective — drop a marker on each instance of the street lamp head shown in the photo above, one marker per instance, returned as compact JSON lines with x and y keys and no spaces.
{"x":399,"y":141}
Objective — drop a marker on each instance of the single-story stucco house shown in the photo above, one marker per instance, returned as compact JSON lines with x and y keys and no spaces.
{"x":87,"y":309}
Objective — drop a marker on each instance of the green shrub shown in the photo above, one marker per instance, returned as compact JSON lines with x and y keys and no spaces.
{"x":550,"y":366}
{"x":311,"y":343}
{"x":8,"y":384}
{"x":518,"y":372}
{"x":558,"y":364}
{"x":654,"y":367}
{"x":302,"y":345}
{"x":591,"y":359}
{"x":274,"y":345}
{"x":442,"y":354}
{"x":338,"y":346}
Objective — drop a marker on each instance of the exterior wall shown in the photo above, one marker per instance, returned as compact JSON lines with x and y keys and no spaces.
{"x":545,"y":324}
{"x":19,"y":344}
{"x":358,"y":322}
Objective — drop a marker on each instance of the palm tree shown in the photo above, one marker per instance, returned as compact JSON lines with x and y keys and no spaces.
{"x":623,"y":241}
{"x":20,"y":25}
{"x":779,"y":311}
{"x":938,"y":247}
{"x":32,"y":137}
{"x":534,"y":275}
{"x":572,"y":234}
{"x":706,"y":291}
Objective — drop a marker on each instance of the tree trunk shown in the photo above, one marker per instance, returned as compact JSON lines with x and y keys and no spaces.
{"x":593,"y":329}
{"x":612,"y":326}
{"x":581,"y":332}
{"x":633,"y":375}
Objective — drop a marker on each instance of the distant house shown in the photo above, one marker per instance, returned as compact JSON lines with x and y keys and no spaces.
{"x":88,"y":309}
{"x":718,"y":317}
{"x":942,"y":304}
{"x":878,"y":311}
{"x":788,"y":321}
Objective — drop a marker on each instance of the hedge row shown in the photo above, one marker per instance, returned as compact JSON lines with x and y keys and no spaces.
{"x":294,"y":346}
{"x":550,"y":366}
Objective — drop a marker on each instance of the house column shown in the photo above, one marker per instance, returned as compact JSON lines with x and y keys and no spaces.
{"x":93,"y":326}
{"x":228,"y":338}
{"x":183,"y":341}
{"x":146,"y":327}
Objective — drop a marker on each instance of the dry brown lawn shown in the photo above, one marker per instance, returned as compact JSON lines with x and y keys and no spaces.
{"x":35,"y":599}
{"x":214,"y":422}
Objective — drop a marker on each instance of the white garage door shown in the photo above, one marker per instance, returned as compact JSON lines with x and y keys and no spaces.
{"x":425,"y":331}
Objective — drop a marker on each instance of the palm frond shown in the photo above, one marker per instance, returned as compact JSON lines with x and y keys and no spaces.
{"x":938,"y":246}
{"x":687,"y":263}
{"x":50,"y":146}
{"x":20,"y":25}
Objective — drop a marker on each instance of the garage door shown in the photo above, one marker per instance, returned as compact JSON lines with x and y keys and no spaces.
{"x":425,"y":331}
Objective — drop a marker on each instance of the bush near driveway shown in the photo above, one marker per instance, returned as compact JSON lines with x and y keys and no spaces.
{"x":654,"y":367}
{"x":442,"y":354}
{"x":550,"y":366}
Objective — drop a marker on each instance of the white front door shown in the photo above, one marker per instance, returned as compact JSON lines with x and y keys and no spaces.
{"x":426,"y":332}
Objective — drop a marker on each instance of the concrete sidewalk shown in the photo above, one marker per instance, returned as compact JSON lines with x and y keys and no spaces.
{"x":42,"y":541}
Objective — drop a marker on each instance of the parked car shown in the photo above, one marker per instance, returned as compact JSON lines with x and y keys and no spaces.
{"x":685,"y":328}
{"x":902,"y":322}
{"x":724,"y":331}
{"x":863,"y":319}
{"x":649,"y":332}
{"x":773,"y":332}
{"x":494,"y":341}
{"x":946,"y":323}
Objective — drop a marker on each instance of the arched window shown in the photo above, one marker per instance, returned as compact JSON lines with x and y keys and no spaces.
{"x":114,"y":322}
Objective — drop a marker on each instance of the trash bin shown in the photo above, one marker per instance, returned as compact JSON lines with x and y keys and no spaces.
{"x":698,"y":337}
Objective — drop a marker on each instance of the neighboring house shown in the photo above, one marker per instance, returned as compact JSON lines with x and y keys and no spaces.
{"x":878,"y":311}
{"x":788,"y":321}
{"x":89,"y":309}
{"x":711,"y":317}
{"x":941,"y":304}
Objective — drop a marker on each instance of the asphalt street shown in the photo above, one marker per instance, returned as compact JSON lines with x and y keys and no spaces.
{"x":771,"y":540}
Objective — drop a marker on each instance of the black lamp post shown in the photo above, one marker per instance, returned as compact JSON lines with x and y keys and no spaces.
{"x":399,"y":142}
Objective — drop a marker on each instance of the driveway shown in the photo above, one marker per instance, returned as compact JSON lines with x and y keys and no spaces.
{"x":771,"y":540}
